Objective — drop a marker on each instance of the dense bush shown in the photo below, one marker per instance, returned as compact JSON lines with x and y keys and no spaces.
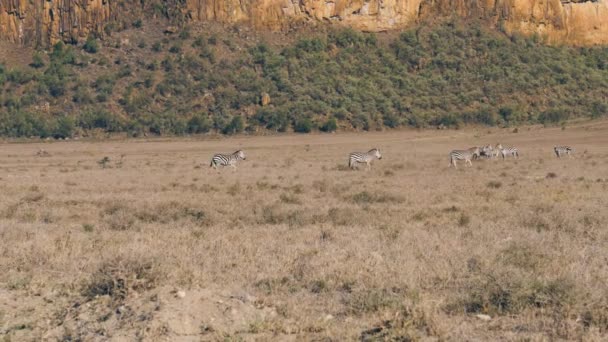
{"x":444,"y":74}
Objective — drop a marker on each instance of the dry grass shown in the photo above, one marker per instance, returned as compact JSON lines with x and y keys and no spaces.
{"x":296,"y":247}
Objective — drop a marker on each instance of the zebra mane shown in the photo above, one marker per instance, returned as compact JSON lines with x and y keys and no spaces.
{"x":372,"y":150}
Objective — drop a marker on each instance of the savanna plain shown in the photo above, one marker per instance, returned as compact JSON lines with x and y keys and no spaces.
{"x":141,"y":240}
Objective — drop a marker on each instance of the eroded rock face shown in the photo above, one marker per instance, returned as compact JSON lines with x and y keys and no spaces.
{"x":43,"y":22}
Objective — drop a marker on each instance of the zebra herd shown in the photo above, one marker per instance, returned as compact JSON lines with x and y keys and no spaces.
{"x":356,"y":158}
{"x":489,"y":152}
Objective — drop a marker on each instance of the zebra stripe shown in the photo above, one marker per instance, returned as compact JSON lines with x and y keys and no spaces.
{"x":509,"y":151}
{"x":227,"y":159}
{"x":360,"y":157}
{"x":559,"y":150}
{"x":465,"y":155}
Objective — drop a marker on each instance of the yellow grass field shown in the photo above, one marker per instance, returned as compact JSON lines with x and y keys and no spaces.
{"x":295,"y":247}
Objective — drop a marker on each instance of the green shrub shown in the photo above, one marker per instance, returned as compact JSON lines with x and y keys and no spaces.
{"x":37,"y":61}
{"x":91,"y":45}
{"x":331,"y":125}
{"x":236,"y":125}
{"x":199,"y":124}
{"x":64,"y":128}
{"x":553,"y":116}
{"x":303,"y":125}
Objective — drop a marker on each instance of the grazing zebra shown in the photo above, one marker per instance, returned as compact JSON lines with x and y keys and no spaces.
{"x":227,"y":159}
{"x":360,"y":157}
{"x":509,"y":151}
{"x":486,"y":151}
{"x":559,"y":150}
{"x":465,"y":155}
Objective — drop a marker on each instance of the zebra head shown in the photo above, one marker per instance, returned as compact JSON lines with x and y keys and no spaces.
{"x":499,"y":146}
{"x":375,"y":152}
{"x":240,"y":154}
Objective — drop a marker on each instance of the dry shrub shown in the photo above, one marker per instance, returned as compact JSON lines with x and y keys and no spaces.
{"x":494,"y":184}
{"x":318,"y":286}
{"x":551,"y":175}
{"x":288,"y":162}
{"x":421,"y":215}
{"x":522,"y":256}
{"x":320,"y":185}
{"x":171,"y":212}
{"x":289,"y":199}
{"x":390,"y":232}
{"x":595,"y":314}
{"x":409,"y":324}
{"x":342,"y":167}
{"x":366,"y":197}
{"x":344,"y":216}
{"x":118,"y":216}
{"x":263,"y":185}
{"x":275,"y":214}
{"x":32,"y":197}
{"x":501,"y":291}
{"x":372,"y":300}
{"x":277,"y":285}
{"x":541,"y":221}
{"x":464,"y":220}
{"x":120,"y":277}
{"x":297,"y":189}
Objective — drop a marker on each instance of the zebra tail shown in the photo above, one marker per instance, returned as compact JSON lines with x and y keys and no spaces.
{"x":211,"y":164}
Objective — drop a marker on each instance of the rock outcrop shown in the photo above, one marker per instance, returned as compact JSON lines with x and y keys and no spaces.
{"x":41,"y":22}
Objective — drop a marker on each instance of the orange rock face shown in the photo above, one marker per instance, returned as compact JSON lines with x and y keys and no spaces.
{"x":42,"y":22}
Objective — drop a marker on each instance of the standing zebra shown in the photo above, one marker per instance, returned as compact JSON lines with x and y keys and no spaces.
{"x":360,"y":157}
{"x":485,"y":151}
{"x":559,"y":150}
{"x":465,"y":155}
{"x":227,"y":159}
{"x":509,"y":151}
{"x":496,"y":150}
{"x":475,"y":151}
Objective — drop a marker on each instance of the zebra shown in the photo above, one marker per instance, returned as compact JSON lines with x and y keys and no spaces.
{"x":360,"y":157}
{"x":465,"y":155}
{"x":227,"y":159}
{"x":509,"y":151}
{"x":487,"y":151}
{"x":475,"y":151}
{"x":559,"y":150}
{"x":496,"y":150}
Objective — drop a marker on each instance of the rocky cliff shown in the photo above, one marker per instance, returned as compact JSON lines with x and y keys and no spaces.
{"x":41,"y":22}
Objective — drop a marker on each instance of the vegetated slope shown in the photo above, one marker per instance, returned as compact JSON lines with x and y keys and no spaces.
{"x":202,"y":79}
